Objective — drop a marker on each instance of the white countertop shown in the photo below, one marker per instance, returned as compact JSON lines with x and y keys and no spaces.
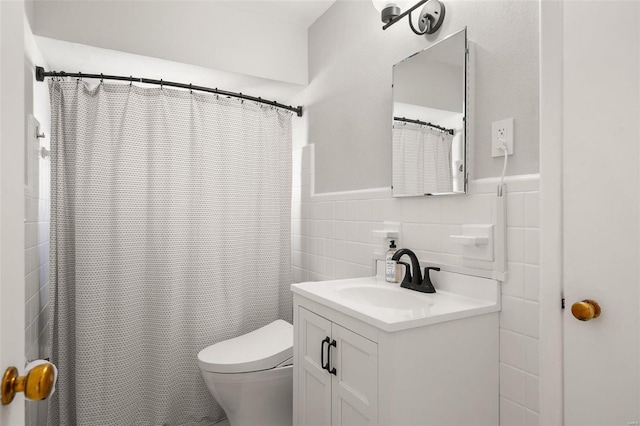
{"x":391,"y":308}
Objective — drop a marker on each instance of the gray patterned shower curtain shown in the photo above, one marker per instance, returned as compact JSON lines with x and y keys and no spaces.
{"x":170,"y":231}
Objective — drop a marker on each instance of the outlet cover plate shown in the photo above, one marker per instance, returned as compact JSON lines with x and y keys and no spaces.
{"x":501,"y":131}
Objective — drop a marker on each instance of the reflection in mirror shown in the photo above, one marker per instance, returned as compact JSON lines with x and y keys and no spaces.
{"x":429,"y":144}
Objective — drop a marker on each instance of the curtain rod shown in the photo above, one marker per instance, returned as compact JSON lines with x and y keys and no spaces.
{"x":424,"y":123}
{"x":41,"y":74}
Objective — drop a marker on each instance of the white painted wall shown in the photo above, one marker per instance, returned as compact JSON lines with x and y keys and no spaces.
{"x":74,"y":57}
{"x":349,"y":95}
{"x":211,"y":34}
{"x":424,"y":82}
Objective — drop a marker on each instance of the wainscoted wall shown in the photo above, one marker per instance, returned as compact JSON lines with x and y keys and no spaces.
{"x":348,"y":101}
{"x":331,"y":238}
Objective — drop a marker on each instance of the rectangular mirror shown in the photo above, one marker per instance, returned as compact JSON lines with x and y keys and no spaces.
{"x":429,"y":116}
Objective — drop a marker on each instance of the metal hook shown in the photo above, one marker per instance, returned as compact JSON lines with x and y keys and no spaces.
{"x":190,"y":88}
{"x":161,"y":84}
{"x":130,"y":80}
{"x":101,"y":78}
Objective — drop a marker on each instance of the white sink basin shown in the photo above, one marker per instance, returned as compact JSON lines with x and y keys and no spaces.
{"x":391,"y":298}
{"x":391,"y":308}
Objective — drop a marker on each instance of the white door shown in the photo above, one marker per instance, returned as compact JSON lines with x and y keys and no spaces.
{"x":354,"y":393}
{"x":601,"y":218}
{"x":12,"y":128}
{"x":313,"y":382}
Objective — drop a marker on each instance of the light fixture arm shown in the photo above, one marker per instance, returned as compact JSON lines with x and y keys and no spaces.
{"x":431,"y":17}
{"x":403,"y":14}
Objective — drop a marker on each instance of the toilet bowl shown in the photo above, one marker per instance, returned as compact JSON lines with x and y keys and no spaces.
{"x":251,"y":376}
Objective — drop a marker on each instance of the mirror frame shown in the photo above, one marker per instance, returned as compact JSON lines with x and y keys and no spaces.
{"x":465,"y":110}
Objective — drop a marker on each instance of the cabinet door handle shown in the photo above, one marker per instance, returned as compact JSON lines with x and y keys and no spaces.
{"x":329,"y":369}
{"x":322,"y":364}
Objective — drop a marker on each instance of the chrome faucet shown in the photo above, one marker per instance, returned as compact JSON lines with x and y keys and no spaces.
{"x":412,"y":277}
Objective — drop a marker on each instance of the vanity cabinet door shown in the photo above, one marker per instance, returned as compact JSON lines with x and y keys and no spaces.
{"x":314,"y":382}
{"x":354,"y":393}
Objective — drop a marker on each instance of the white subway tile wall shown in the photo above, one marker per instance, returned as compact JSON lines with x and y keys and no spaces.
{"x":332,"y":239}
{"x":36,"y":229}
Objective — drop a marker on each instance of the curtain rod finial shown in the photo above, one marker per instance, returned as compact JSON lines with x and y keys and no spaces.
{"x":39,"y":73}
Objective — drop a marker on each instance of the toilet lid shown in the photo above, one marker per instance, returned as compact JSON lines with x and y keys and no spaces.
{"x":261,"y":349}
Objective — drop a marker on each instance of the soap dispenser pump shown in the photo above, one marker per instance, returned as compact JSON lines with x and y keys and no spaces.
{"x":391,"y":266}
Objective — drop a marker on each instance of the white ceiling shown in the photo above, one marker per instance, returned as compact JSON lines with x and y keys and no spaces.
{"x":297,"y":12}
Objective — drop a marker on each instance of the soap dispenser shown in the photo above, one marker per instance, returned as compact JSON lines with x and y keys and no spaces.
{"x":391,"y":266}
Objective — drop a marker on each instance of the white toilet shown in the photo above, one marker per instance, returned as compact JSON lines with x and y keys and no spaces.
{"x":251,"y":376}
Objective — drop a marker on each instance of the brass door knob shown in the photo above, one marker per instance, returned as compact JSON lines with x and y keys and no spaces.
{"x":37,"y":384}
{"x":586,"y":310}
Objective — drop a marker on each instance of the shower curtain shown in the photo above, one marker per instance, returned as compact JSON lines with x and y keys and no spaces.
{"x":170,"y":231}
{"x":421,"y":160}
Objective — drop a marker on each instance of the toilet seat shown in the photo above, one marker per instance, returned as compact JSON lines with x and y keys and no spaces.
{"x":263,"y":349}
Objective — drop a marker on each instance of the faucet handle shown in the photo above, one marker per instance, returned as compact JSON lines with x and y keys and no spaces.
{"x":428,"y":285}
{"x":407,"y":272}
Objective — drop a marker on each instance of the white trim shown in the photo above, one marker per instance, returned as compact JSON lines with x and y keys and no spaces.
{"x":551,"y":104}
{"x":358,"y":194}
{"x":517,"y":183}
{"x":522,"y":183}
{"x":12,"y":253}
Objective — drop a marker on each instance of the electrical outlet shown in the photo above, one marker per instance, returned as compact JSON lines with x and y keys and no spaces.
{"x":501,"y":132}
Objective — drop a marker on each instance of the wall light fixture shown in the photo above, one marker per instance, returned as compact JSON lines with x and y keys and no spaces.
{"x":431,"y":16}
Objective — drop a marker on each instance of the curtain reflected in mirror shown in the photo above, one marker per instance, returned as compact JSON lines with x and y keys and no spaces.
{"x":421,"y":159}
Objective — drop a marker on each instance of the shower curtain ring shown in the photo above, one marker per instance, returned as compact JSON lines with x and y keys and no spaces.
{"x":161,"y":84}
{"x":190,"y":88}
{"x":130,"y":80}
{"x":101,"y":78}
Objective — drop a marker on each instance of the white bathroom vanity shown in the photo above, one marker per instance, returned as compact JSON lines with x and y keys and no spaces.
{"x":367,"y":352}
